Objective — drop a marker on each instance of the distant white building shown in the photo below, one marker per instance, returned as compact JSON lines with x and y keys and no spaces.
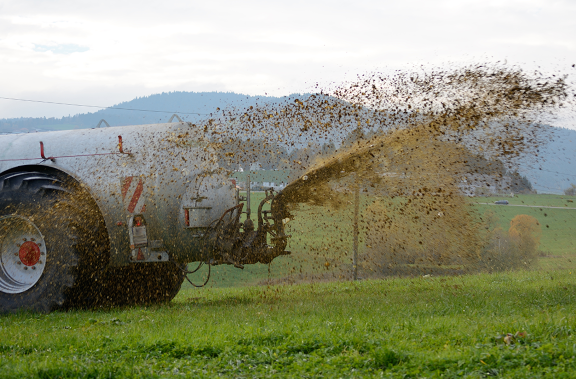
{"x":277,"y":187}
{"x":255,"y":166}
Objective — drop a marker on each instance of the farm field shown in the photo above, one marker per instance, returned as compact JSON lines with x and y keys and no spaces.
{"x":543,"y":199}
{"x":558,"y":225}
{"x":423,"y":327}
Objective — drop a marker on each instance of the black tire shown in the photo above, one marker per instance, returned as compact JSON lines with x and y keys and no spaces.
{"x":140,"y":283}
{"x":75,"y":238}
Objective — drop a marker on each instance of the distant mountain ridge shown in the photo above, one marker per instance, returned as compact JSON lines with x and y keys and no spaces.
{"x":185,"y":104}
{"x":552,"y":171}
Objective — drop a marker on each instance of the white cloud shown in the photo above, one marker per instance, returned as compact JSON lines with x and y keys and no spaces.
{"x":108,"y":51}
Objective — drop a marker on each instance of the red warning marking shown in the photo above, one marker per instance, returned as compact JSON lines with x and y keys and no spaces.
{"x":136,"y":196}
{"x":132,"y":188}
{"x":140,"y":256}
{"x":126,"y":186}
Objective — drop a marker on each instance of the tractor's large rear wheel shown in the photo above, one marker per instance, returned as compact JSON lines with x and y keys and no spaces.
{"x":53,"y":242}
{"x":140,"y":283}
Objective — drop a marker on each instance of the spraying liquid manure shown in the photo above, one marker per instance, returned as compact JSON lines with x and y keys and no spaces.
{"x":118,"y":216}
{"x":414,"y":145}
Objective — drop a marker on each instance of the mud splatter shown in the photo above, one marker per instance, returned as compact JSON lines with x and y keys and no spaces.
{"x":414,"y":142}
{"x":409,"y":146}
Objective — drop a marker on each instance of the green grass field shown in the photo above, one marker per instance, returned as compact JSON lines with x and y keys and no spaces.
{"x":558,"y":225}
{"x":425,"y":327}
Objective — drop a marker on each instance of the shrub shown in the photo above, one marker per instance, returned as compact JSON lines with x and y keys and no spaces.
{"x":512,"y":249}
{"x":570,"y":191}
{"x":526,"y":232}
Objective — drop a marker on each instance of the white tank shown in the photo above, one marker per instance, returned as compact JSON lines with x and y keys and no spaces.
{"x":165,"y":172}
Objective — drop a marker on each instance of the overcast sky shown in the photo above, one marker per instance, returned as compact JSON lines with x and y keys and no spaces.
{"x":105,"y":52}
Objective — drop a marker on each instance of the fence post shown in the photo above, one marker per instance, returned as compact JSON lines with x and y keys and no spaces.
{"x":356,"y":232}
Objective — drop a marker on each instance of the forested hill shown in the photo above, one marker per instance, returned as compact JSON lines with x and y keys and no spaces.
{"x":554,"y":169}
{"x":182,"y":103}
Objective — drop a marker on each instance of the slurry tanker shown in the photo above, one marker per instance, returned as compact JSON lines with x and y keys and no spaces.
{"x":116,"y":215}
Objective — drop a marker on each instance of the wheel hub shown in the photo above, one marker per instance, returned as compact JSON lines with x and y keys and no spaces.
{"x":29,"y":253}
{"x":22,"y":254}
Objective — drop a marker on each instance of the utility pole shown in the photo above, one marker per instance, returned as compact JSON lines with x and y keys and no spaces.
{"x":248,"y":197}
{"x":356,"y":232}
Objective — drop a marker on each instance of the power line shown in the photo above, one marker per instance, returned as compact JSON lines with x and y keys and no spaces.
{"x":98,"y":106}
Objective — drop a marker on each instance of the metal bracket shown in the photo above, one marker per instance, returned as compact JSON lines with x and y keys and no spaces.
{"x":247,"y":197}
{"x":121,"y":147}
{"x":143,"y":255}
{"x":142,"y":249}
{"x":42,"y":153}
{"x":138,"y":239}
{"x":198,"y":199}
{"x":195,"y":213}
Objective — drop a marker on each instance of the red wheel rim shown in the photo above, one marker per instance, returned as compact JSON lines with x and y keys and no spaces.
{"x":29,"y":253}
